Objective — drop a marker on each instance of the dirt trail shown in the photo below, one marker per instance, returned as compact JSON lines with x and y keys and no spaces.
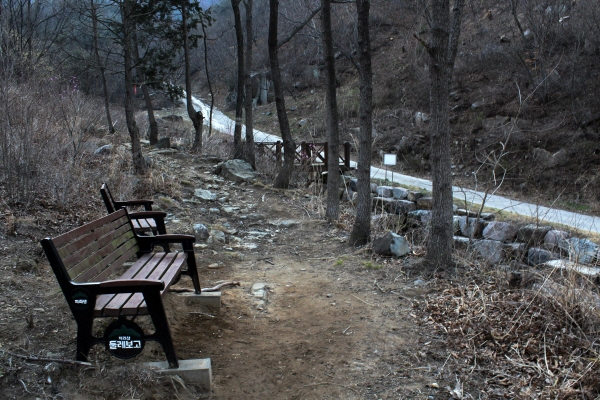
{"x":335,"y":324}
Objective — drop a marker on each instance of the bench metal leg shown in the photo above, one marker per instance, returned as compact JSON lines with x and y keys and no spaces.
{"x":192,"y":269}
{"x":85,"y":340}
{"x":162,"y":332}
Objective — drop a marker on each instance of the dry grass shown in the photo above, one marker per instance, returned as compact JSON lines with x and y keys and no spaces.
{"x":538,"y":341}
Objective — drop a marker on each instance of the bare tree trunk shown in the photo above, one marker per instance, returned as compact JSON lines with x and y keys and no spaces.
{"x":210,"y":89}
{"x":439,"y":246}
{"x":237,"y":133}
{"x":141,"y":78}
{"x":111,"y":128}
{"x":361,"y":231}
{"x":249,"y":152}
{"x":139,"y":164}
{"x":196,"y":116}
{"x":289,"y":147}
{"x":333,"y":134}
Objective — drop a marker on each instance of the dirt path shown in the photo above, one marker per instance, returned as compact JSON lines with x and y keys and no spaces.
{"x":335,"y":324}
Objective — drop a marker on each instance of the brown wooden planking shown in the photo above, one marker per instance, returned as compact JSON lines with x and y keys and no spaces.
{"x":144,"y":224}
{"x":113,"y":308}
{"x":71,"y":259}
{"x":59,"y":241}
{"x":165,"y":272}
{"x":115,"y":260}
{"x":102,"y":258}
{"x":81,"y":243}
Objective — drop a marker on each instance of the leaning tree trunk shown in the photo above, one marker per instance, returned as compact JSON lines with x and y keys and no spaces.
{"x":442,"y":51}
{"x":361,"y":231}
{"x":210,"y":88}
{"x":249,"y":152}
{"x":289,"y":147}
{"x":333,"y":135}
{"x":196,"y":116}
{"x":142,"y":82}
{"x":111,"y":128}
{"x":238,"y":147}
{"x":139,"y":164}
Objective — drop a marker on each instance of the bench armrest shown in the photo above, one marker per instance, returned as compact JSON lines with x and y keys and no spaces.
{"x":140,"y":202}
{"x":147,"y":214}
{"x":147,"y":243}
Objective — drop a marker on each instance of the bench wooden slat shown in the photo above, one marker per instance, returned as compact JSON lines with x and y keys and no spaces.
{"x":104,"y":299}
{"x":81,"y":242}
{"x":140,"y":270}
{"x":73,"y":259}
{"x":61,"y":240}
{"x":166,"y":273}
{"x":153,"y":269}
{"x":92,"y":274}
{"x":104,"y":258}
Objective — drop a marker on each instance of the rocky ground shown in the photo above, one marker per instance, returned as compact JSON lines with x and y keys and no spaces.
{"x":330,"y":322}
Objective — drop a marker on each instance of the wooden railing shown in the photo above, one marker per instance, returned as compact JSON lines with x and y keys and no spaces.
{"x":310,"y":154}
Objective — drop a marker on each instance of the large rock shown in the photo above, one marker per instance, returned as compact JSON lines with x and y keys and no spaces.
{"x":502,"y":231}
{"x":401,"y":207}
{"x":399,"y":193}
{"x":553,"y":238}
{"x":391,"y":245}
{"x":385,"y":191}
{"x":414,"y":196}
{"x":236,"y":170}
{"x":471,"y":227}
{"x":381,"y":204}
{"x":489,"y":250}
{"x":205,"y":195}
{"x":537,"y":256}
{"x":163,"y":143}
{"x":201,"y":231}
{"x":532,"y":235}
{"x":582,"y":251}
{"x":419,"y":217}
{"x":425,"y":203}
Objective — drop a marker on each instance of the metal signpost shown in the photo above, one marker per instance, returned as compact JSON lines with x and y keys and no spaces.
{"x":389,"y":159}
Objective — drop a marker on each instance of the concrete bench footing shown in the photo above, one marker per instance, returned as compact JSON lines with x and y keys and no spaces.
{"x":210,"y":299}
{"x":195,"y":371}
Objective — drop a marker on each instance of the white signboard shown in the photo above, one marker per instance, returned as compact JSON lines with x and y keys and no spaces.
{"x":389,"y":159}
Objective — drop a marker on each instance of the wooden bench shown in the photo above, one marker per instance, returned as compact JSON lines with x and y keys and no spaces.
{"x":145,"y":222}
{"x":88,"y":263}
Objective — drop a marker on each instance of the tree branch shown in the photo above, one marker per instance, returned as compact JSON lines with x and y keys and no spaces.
{"x":298,"y":28}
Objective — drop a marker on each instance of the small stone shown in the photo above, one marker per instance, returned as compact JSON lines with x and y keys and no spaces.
{"x":201,"y":231}
{"x":536,"y":256}
{"x":205,"y":195}
{"x":213,"y":266}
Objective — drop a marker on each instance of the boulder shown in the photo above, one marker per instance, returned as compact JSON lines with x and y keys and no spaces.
{"x":401,"y":207}
{"x":399,"y":193}
{"x":502,"y":231}
{"x":163,"y":143}
{"x":201,"y":231}
{"x":471,"y":227}
{"x":374,"y":188}
{"x":514,"y":251}
{"x":385,"y":191}
{"x":425,"y":203}
{"x":236,"y":170}
{"x":391,"y":244}
{"x":466,"y":213}
{"x":414,"y":196}
{"x":553,"y":238}
{"x":461,"y":242}
{"x":532,"y":235}
{"x":455,"y":224}
{"x":104,"y":150}
{"x":419,"y":217}
{"x":489,"y":250}
{"x":205,"y":195}
{"x":352,"y":185}
{"x":381,"y":204}
{"x":537,"y":256}
{"x":582,"y":251}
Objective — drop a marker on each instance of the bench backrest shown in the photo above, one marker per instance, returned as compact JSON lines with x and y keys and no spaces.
{"x":92,"y":252}
{"x":109,"y":202}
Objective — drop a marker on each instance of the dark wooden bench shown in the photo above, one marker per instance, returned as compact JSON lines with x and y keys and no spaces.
{"x":89,"y":263}
{"x":144,"y":222}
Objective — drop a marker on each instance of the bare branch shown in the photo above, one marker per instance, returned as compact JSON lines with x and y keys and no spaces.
{"x":298,"y":28}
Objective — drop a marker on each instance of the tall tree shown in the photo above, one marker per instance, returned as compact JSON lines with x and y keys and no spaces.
{"x":210,"y":88}
{"x":238,"y":148}
{"x":249,"y":150}
{"x":282,"y":180}
{"x":361,"y":231}
{"x":141,"y":81}
{"x":196,"y":116}
{"x":127,"y":17}
{"x":442,"y":50}
{"x":333,"y":134}
{"x":101,"y":67}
